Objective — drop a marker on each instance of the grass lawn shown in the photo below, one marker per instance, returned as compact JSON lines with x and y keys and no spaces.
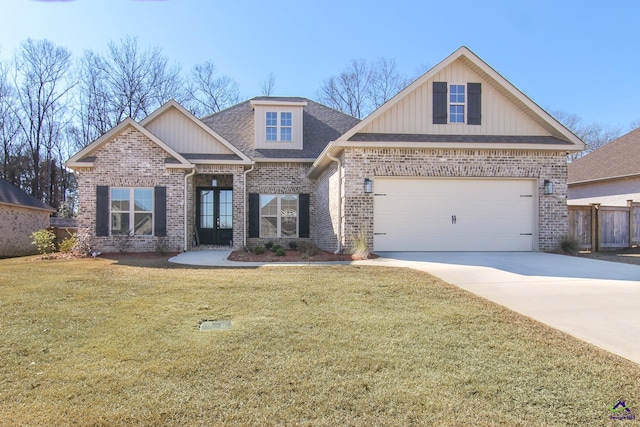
{"x":117,"y":342}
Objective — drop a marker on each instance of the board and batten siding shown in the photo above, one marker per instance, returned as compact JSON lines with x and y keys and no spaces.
{"x":183,"y":135}
{"x":413,"y":114}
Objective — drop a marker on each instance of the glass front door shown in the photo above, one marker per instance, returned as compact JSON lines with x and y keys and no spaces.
{"x":214,"y":216}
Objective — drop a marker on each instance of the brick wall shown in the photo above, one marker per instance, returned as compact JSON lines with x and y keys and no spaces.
{"x":282,"y":178}
{"x":361,"y":163}
{"x":16,"y":225}
{"x":130,"y":159}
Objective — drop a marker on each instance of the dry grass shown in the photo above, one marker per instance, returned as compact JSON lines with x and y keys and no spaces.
{"x":116,"y":342}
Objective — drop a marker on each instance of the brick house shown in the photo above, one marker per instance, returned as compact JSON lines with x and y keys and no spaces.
{"x":20,"y":215}
{"x":459,"y":160}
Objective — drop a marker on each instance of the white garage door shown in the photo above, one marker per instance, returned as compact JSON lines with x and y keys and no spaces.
{"x":433,"y":214}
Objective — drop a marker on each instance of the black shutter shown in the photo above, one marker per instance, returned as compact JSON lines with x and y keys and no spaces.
{"x":474,"y":114}
{"x":303,"y":215}
{"x":160,"y":211}
{"x":254,"y":215}
{"x":102,"y":210}
{"x":440,"y":114}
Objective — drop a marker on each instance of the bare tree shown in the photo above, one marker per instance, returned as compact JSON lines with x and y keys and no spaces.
{"x":127,"y":81}
{"x":9,"y":127}
{"x":267,"y":85}
{"x":41,"y":80}
{"x":594,"y":135}
{"x":386,"y":81}
{"x":208,"y":93}
{"x":360,"y":88}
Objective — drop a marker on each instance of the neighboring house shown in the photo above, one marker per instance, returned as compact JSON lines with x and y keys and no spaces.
{"x":456,"y":161}
{"x":20,"y":215}
{"x":609,"y":175}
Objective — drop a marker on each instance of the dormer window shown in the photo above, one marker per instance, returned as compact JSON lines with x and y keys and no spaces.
{"x":279,"y":131}
{"x":278,"y":122}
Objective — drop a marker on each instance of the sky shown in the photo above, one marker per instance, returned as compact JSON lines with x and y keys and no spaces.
{"x":579,"y":57}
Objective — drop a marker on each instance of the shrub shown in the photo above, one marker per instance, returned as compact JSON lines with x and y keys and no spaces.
{"x":360,"y":245}
{"x":268,"y":245}
{"x":123,"y":241}
{"x":259,"y":250}
{"x":280,"y":251}
{"x":44,"y":240}
{"x":162,"y":246}
{"x":293,"y":245}
{"x":275,"y":248}
{"x":569,"y":245}
{"x":69,"y":244}
{"x":308,"y":248}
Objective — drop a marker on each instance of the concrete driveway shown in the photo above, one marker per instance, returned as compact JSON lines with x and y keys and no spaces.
{"x":596,"y":301}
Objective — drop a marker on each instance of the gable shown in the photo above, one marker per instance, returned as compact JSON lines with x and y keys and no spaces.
{"x":183,"y":135}
{"x":493,"y":108}
{"x":414,"y":113}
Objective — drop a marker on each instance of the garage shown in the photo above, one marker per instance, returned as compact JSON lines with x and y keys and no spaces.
{"x":454,"y":214}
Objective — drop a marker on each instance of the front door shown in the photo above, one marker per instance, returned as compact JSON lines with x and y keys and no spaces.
{"x":214,"y":218}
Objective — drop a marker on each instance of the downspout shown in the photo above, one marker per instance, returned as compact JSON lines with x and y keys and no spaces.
{"x":339,"y":236}
{"x":244,"y":222}
{"x":186,"y":198}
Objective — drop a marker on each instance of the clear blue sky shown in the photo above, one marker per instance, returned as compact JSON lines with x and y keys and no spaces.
{"x":582,"y":57}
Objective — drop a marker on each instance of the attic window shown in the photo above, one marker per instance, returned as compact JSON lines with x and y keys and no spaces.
{"x":279,"y":128}
{"x":456,"y":103}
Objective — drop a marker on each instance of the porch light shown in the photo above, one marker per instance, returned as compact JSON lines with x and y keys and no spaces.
{"x":548,"y":187}
{"x":368,"y":186}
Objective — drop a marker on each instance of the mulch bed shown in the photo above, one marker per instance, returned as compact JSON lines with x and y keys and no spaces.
{"x":292,"y":256}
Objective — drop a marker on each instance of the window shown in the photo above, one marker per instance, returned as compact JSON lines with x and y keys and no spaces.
{"x":456,"y":103}
{"x":281,"y":131}
{"x":272,"y":126}
{"x":132,"y":211}
{"x":278,"y":215}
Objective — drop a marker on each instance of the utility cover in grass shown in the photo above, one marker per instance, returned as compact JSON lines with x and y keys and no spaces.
{"x":215,"y":325}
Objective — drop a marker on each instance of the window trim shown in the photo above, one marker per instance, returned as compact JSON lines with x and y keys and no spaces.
{"x":132,"y":211}
{"x":278,"y":216}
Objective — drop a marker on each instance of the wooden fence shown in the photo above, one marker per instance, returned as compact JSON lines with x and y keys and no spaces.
{"x":596,"y":227}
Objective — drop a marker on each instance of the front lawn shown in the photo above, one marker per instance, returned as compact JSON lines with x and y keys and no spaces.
{"x":117,"y":342}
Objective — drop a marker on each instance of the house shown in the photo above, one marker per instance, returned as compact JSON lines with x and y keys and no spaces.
{"x":20,"y":215}
{"x":609,"y":175}
{"x":456,"y":161}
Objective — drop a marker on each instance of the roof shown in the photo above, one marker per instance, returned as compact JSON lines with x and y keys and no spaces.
{"x":618,"y":159}
{"x":12,"y":195}
{"x":321,"y":125}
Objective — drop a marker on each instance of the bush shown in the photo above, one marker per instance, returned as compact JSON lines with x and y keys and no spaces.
{"x":268,"y":245}
{"x":360,"y":245}
{"x":308,"y":248}
{"x":69,"y":244}
{"x":275,"y":248}
{"x":280,"y":251}
{"x":569,"y":245}
{"x":44,"y":240}
{"x":293,"y":245}
{"x":259,"y":250}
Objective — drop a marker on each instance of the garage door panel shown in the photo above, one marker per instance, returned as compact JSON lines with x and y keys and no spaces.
{"x":453,"y":215}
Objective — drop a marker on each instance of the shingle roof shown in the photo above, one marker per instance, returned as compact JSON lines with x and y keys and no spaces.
{"x":12,"y":195}
{"x":616,"y":159}
{"x":507,"y":139}
{"x":321,"y":125}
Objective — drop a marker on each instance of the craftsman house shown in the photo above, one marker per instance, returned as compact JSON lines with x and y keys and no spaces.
{"x":459,"y":160}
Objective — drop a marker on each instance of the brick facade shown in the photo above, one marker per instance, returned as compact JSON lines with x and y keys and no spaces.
{"x":282,"y":178}
{"x":361,"y":163}
{"x":130,"y":159}
{"x":16,"y":225}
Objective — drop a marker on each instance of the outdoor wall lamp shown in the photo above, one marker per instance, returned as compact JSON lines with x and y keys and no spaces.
{"x":368,"y":186}
{"x":548,"y":187}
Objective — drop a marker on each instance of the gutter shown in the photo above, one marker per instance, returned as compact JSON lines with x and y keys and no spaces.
{"x":186,"y":194}
{"x":244,"y":222}
{"x":339,"y":234}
